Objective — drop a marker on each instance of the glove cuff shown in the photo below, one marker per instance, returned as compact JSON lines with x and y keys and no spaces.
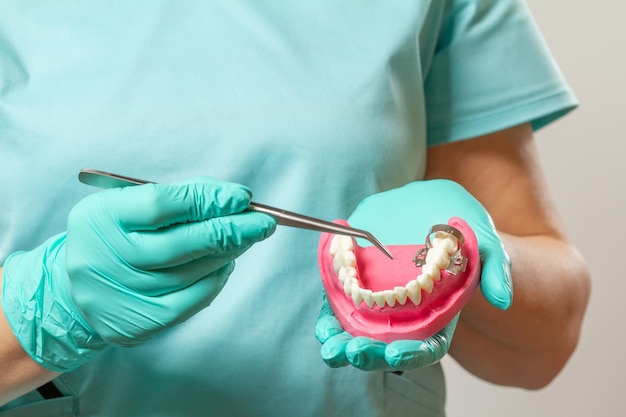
{"x":38,"y":306}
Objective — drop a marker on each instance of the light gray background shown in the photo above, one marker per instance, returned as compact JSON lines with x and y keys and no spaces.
{"x":583,"y":156}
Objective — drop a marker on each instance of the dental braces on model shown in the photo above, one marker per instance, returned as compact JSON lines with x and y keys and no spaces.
{"x":441,"y":253}
{"x":456,"y":262}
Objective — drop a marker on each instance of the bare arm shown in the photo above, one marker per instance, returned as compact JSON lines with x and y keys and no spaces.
{"x":19,"y":374}
{"x":528,"y":344}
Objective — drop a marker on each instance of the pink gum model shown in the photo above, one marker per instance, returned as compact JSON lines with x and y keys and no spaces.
{"x":376,"y":272}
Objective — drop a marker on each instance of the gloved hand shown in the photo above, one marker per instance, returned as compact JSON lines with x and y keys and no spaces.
{"x":402,"y":216}
{"x":339,"y":348}
{"x":133,"y":262}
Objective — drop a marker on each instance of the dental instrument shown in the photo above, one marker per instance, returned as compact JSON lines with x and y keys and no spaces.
{"x":103,"y":179}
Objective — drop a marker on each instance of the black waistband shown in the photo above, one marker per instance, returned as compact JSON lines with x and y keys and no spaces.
{"x":49,"y":390}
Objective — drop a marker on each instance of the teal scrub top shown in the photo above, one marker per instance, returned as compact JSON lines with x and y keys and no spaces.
{"x":313,"y":105}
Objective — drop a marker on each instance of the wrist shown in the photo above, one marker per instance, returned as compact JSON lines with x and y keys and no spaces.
{"x":39,"y":309}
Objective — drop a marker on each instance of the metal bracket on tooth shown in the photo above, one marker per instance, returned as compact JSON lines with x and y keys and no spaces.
{"x":458,"y":262}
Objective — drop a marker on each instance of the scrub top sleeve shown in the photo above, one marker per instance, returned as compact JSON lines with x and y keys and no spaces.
{"x":491,"y":70}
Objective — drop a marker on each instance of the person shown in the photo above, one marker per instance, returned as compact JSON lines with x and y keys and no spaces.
{"x":171,"y":298}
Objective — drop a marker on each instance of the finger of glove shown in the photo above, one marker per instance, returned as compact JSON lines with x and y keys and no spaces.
{"x":367,"y":354}
{"x":496,"y":282}
{"x":223,"y":237}
{"x":166,"y":280}
{"x":333,"y":351}
{"x":327,"y":324}
{"x":153,"y":206}
{"x":188,"y":301}
{"x":134,"y":318}
{"x":405,"y":355}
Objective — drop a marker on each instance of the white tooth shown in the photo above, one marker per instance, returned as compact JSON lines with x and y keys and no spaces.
{"x":346,"y":272}
{"x":390,"y":297}
{"x":446,"y":242}
{"x":432,"y":271}
{"x":349,"y":285}
{"x":357,"y":295}
{"x":401,"y":293}
{"x":414,"y":292}
{"x":426,"y":282}
{"x":341,"y":243}
{"x":379,"y":298}
{"x":439,"y":257}
{"x":343,"y":258}
{"x":368,"y":297}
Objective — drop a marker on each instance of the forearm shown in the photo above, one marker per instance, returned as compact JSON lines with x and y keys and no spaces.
{"x":19,"y":374}
{"x":528,"y":344}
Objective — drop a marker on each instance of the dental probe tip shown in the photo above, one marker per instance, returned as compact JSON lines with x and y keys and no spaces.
{"x":382,"y":247}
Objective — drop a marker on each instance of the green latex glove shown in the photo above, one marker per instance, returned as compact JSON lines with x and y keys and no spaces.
{"x":339,"y":348}
{"x":404,"y":216}
{"x":133,"y":261}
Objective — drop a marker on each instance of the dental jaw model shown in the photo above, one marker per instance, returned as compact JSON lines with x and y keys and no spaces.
{"x":412,"y":296}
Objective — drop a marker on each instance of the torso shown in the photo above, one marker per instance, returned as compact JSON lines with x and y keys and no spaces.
{"x":314,"y":108}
